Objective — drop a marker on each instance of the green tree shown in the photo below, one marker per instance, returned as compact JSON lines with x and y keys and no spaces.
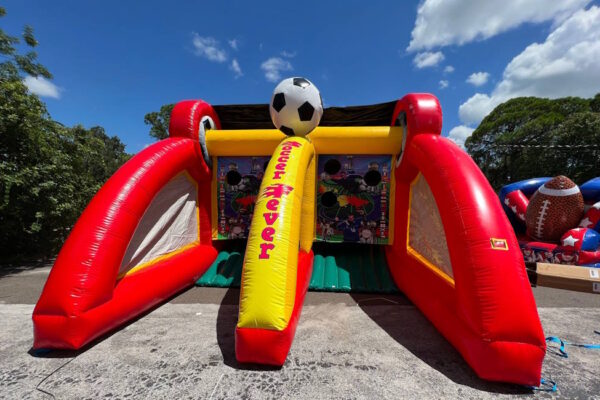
{"x":48,"y":172}
{"x":530,"y":137}
{"x":159,"y":121}
{"x":595,"y":103}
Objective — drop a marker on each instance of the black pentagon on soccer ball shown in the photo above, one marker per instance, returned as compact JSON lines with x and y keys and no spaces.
{"x":303,"y":83}
{"x":286,"y":130}
{"x":278,"y":101}
{"x":306,"y":111}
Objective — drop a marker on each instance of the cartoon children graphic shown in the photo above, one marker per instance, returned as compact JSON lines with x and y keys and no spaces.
{"x":350,"y":227}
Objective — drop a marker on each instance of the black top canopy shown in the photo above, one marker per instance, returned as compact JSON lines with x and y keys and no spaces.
{"x":256,"y":116}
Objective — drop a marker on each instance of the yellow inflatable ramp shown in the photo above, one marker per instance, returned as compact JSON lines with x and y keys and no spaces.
{"x":278,"y":261}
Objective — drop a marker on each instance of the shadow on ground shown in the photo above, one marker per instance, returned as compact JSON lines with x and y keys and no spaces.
{"x":226,"y":321}
{"x":413,"y":331}
{"x":22,"y":266}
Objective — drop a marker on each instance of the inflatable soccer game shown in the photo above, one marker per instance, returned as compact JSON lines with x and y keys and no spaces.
{"x":377,"y":181}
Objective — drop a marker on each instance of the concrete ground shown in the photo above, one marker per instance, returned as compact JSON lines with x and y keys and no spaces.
{"x":346,"y":346}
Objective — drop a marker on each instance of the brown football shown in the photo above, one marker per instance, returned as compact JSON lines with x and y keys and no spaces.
{"x":556,"y":207}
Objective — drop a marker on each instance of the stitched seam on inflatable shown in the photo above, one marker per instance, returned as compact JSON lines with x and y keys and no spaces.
{"x":539,"y":223}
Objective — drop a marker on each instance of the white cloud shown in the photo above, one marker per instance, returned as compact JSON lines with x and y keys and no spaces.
{"x":235,"y":67}
{"x":443,"y":84}
{"x":477,"y":107}
{"x":274,"y":66}
{"x":565,"y":64}
{"x":449,"y":69}
{"x":459,"y":134}
{"x":209,"y":48}
{"x":442,"y":23}
{"x":428,"y":59}
{"x":478,"y":78}
{"x":42,"y":87}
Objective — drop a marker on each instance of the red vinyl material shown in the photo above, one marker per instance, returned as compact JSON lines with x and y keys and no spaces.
{"x":271,"y":347}
{"x":82,"y":298}
{"x":130,"y":298}
{"x":489,"y":314}
{"x":186,"y":116}
{"x":517,"y":202}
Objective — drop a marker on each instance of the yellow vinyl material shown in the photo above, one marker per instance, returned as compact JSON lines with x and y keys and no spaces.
{"x":243,"y":142}
{"x":308,"y":218}
{"x":282,"y":222}
{"x":357,"y":140}
{"x":326,"y":140}
{"x":214,"y":217}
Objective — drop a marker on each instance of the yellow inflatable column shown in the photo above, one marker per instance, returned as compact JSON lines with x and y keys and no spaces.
{"x":283,"y":220}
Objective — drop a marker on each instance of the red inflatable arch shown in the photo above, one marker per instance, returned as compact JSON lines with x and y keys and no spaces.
{"x":485,"y":309}
{"x":86,"y":294}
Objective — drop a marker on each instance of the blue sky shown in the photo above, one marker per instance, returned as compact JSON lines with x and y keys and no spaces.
{"x":114,"y":61}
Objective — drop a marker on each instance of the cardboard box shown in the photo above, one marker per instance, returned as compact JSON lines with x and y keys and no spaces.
{"x":569,"y":277}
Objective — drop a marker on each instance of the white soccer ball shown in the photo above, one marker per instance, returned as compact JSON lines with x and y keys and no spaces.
{"x":296,"y":106}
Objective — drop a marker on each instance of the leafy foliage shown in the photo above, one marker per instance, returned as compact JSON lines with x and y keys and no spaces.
{"x":48,"y":172}
{"x":551,"y":124}
{"x":159,"y":121}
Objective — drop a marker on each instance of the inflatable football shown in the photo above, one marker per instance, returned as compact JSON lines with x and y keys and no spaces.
{"x":556,"y":207}
{"x":296,"y":106}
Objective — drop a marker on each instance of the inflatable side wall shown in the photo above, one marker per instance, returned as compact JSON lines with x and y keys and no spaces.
{"x":121,"y":258}
{"x":456,"y":256}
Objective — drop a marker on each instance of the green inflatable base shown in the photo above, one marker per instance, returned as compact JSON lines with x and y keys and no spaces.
{"x":336,"y":268}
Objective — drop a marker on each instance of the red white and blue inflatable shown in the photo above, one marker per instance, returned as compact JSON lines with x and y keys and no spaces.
{"x":579,"y":245}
